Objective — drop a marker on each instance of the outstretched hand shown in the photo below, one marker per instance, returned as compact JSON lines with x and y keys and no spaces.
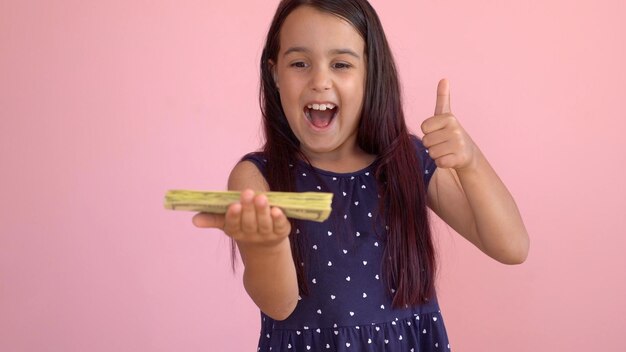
{"x":251,"y":221}
{"x":447,"y":142}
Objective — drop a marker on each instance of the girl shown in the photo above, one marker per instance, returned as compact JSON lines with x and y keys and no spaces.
{"x":333,"y":120}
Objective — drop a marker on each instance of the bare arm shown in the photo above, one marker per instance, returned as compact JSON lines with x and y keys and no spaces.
{"x":467,"y":193}
{"x":261,"y":234}
{"x":478,"y":206}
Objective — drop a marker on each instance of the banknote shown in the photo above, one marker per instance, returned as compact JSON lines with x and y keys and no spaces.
{"x":314,"y":206}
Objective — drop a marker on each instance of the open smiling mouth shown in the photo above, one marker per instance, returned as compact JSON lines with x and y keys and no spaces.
{"x":320,"y":115}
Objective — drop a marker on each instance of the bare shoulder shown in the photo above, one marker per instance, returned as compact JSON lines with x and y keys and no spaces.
{"x":246,"y":175}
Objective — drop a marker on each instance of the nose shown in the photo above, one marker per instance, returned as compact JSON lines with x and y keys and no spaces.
{"x":321,"y":80}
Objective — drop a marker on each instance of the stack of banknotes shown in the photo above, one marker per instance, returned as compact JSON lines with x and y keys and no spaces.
{"x":314,"y":206}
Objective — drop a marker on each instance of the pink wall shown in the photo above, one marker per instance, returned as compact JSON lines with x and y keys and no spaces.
{"x":105,"y":105}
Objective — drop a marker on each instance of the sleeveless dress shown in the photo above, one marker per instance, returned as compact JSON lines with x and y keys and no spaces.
{"x":348,"y":307}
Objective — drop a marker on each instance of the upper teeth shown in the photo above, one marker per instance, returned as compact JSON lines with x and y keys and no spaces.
{"x":321,"y":106}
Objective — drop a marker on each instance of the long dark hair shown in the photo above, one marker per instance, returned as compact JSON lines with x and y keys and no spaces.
{"x":409,"y":264}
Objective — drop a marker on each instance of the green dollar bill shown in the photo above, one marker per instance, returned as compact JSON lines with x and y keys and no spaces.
{"x":314,"y":206}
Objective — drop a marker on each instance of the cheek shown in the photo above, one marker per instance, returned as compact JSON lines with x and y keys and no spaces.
{"x":356,"y":97}
{"x":289,"y":97}
{"x":291,"y":109}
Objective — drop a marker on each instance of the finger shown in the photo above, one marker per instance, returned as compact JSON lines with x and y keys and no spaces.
{"x":440,"y":150}
{"x":443,"y":97}
{"x":208,"y":220}
{"x":282,"y":226}
{"x":264,"y":220}
{"x":433,"y":138}
{"x":434,"y":123}
{"x":448,"y":161}
{"x":248,"y":212}
{"x":232,"y":224}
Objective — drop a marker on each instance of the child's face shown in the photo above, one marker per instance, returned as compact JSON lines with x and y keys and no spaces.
{"x":321,"y":61}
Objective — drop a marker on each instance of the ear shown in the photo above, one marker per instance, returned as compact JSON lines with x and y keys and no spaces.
{"x":272,"y":68}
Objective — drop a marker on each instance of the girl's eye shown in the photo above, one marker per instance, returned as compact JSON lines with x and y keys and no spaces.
{"x":298,"y":64}
{"x":342,"y":65}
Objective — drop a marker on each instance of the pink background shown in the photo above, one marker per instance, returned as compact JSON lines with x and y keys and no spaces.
{"x":106,"y":105}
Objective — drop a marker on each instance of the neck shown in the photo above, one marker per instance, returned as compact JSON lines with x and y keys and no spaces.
{"x":341,"y":161}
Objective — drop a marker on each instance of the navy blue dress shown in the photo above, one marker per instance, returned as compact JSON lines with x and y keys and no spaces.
{"x":348,"y":307}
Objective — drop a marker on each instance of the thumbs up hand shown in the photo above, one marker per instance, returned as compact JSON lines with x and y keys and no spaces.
{"x":447,"y":142}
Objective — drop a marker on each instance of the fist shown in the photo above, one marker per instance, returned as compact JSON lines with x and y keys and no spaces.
{"x":447,"y":142}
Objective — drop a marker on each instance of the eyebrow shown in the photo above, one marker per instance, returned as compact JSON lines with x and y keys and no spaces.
{"x":300,"y":49}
